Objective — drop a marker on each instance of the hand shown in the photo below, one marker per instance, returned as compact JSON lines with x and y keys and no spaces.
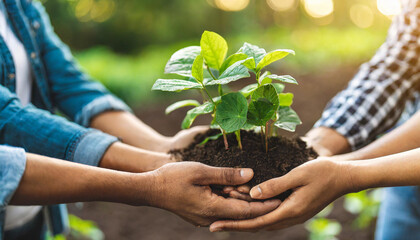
{"x":183,"y":188}
{"x":316,"y":184}
{"x":183,"y":138}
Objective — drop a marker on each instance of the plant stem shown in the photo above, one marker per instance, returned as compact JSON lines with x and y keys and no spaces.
{"x":220,"y":90}
{"x":211,"y":74}
{"x":238,"y":138}
{"x":202,"y":95}
{"x":266,"y":137}
{"x":225,"y":140}
{"x":208,"y":94}
{"x":262,"y":135}
{"x":257,"y":77}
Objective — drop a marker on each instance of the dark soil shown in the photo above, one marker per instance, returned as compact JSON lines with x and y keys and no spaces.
{"x":284,"y":154}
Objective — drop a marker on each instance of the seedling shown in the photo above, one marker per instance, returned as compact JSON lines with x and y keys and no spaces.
{"x":260,"y":105}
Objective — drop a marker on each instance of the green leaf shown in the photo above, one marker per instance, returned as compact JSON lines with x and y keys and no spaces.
{"x":214,"y":137}
{"x":192,"y":114}
{"x":231,"y":112}
{"x":283,"y":78}
{"x":182,"y":60}
{"x":214,"y":48}
{"x":266,"y":91}
{"x":272,"y":57}
{"x":263,"y":105}
{"x":235,"y":72}
{"x":231,"y":60}
{"x":175,"y":85}
{"x":253,"y":51}
{"x":287,"y":119}
{"x":180,"y":104}
{"x":264,"y":79}
{"x":279,"y":87}
{"x":246,"y":91}
{"x":260,"y":111}
{"x":197,"y":68}
{"x":286,"y":99}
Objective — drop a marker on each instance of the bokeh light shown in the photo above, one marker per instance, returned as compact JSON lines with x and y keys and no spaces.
{"x":98,"y":11}
{"x":389,"y":7}
{"x":319,"y":8}
{"x":282,"y":5}
{"x":361,"y":15}
{"x":232,"y":5}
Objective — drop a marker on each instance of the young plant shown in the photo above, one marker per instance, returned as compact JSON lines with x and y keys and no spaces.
{"x":262,"y":104}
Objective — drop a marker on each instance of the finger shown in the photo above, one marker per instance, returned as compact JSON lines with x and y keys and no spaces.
{"x":278,"y":217}
{"x":240,"y":196}
{"x":228,"y":189}
{"x":223,"y":176}
{"x":238,"y":209}
{"x":274,"y":187}
{"x":243,"y":189}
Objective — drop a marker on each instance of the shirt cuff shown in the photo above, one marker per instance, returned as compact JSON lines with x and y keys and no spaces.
{"x":91,"y":147}
{"x":98,"y":106}
{"x":12,"y":167}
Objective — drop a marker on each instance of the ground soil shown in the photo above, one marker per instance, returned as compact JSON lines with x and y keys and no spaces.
{"x":283,"y":154}
{"x":119,"y":221}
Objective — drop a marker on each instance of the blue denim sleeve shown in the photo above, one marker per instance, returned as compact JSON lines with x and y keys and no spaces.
{"x":12,"y":167}
{"x":38,"y":131}
{"x":73,"y":92}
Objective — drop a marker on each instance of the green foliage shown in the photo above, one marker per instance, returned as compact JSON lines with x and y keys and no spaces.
{"x":180,"y":104}
{"x":214,"y":49}
{"x":231,"y":112}
{"x":80,"y":229}
{"x":257,"y":105}
{"x":192,"y":114}
{"x":323,"y":229}
{"x":365,"y":205}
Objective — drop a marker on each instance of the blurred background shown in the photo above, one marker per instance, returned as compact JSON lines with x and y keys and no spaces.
{"x":125,"y":45}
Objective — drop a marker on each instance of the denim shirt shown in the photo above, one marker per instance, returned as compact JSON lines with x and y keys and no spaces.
{"x":59,"y":84}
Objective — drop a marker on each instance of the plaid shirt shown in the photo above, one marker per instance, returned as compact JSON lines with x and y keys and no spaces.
{"x":375,"y":98}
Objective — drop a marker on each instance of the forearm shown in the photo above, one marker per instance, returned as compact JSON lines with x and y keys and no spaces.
{"x":395,"y":170}
{"x":401,"y":139}
{"x":123,"y":157}
{"x":130,"y":130}
{"x":50,"y":181}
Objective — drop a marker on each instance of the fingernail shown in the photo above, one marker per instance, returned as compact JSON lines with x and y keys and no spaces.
{"x":246,"y":173}
{"x":255,"y":192}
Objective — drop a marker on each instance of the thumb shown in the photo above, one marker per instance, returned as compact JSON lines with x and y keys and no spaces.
{"x":224,"y":176}
{"x":273,"y":187}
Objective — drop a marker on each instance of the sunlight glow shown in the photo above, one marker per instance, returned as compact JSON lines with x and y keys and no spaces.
{"x":319,"y":8}
{"x":361,"y":15}
{"x":282,"y":5}
{"x":389,"y":7}
{"x":232,"y":5}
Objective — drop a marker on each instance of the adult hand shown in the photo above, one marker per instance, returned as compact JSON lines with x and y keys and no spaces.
{"x":183,"y":138}
{"x":316,"y":184}
{"x":184,"y":188}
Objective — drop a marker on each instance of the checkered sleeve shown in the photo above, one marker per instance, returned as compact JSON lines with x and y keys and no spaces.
{"x":375,"y":98}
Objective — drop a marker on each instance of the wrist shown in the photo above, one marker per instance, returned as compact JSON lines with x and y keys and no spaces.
{"x":327,"y":141}
{"x":360,"y":175}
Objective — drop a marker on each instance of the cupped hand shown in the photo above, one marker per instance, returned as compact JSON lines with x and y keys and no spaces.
{"x":183,"y":138}
{"x":315,"y":184}
{"x":184,"y":188}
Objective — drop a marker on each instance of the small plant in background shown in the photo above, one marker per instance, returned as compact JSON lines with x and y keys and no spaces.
{"x":322,"y":228}
{"x":260,"y":105}
{"x":365,"y":205}
{"x":80,"y":230}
